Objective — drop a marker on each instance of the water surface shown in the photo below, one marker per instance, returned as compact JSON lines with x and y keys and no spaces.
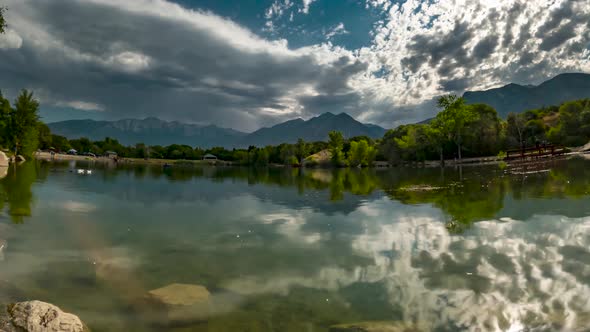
{"x":477,"y":249}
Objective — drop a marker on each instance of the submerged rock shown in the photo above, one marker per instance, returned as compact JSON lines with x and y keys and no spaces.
{"x":3,"y":159}
{"x":37,"y":316}
{"x":384,"y":326}
{"x":182,"y":302}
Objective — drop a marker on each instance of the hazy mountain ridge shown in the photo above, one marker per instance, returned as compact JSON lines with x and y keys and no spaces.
{"x":315,"y":129}
{"x":150,"y":131}
{"x":153,"y":131}
{"x":519,"y":98}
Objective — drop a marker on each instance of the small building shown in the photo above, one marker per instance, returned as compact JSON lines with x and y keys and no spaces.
{"x":110,"y":154}
{"x":72,"y":152}
{"x":209,"y":156}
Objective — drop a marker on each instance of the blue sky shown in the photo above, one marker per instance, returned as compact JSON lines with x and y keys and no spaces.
{"x":299,"y":28}
{"x":245,"y":64}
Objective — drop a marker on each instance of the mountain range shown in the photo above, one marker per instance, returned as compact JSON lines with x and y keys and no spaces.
{"x":519,"y":98}
{"x":153,"y":131}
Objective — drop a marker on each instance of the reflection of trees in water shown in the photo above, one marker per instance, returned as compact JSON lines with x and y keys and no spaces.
{"x":16,"y":190}
{"x":466,"y":196}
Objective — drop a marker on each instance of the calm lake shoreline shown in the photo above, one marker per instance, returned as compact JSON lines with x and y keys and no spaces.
{"x":478,"y":161}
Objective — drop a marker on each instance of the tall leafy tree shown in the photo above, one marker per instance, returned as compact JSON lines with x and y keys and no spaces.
{"x":336,"y":143}
{"x":453,"y":118}
{"x":436,"y":138}
{"x":23,"y":123}
{"x":5,"y":111}
{"x":45,"y":139}
{"x":301,"y":150}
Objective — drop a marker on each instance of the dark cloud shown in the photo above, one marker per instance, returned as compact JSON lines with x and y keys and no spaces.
{"x":557,"y":16}
{"x":561,"y":25}
{"x":335,"y":103}
{"x":137,"y":64}
{"x":511,"y":16}
{"x":451,"y":46}
{"x":558,"y":37}
{"x":456,"y":84}
{"x":405,"y":114}
{"x":485,"y":47}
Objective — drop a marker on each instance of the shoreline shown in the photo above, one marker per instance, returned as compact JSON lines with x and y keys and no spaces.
{"x":477,"y":161}
{"x":46,"y":156}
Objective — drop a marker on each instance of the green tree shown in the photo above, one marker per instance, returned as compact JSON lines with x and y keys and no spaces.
{"x":23,"y":124}
{"x":336,"y":143}
{"x":515,"y":128}
{"x":5,"y":111}
{"x":45,"y":139}
{"x":287,"y":153}
{"x":483,"y":134}
{"x":301,"y":150}
{"x":436,"y":138}
{"x":414,"y":143}
{"x":60,"y":143}
{"x":454,"y":117}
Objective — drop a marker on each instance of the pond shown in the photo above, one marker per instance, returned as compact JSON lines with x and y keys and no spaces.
{"x":475,"y":249}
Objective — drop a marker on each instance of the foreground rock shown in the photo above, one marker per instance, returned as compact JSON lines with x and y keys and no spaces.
{"x":37,"y":316}
{"x":375,"y":327}
{"x":183,"y":303}
{"x":3,"y":159}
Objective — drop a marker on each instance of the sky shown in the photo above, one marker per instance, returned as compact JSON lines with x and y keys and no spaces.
{"x":246,"y":64}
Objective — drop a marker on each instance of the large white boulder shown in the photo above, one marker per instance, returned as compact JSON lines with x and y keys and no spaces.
{"x":37,"y":316}
{"x":3,"y":159}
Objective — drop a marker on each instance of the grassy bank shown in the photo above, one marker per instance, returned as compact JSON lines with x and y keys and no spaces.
{"x":57,"y":157}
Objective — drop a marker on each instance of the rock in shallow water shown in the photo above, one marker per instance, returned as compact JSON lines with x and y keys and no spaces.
{"x":184,"y":303}
{"x":37,"y":316}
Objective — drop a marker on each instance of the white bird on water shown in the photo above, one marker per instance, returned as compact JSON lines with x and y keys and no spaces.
{"x":84,"y":171}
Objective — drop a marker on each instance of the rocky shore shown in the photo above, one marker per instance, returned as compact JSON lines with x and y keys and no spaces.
{"x":37,"y":316}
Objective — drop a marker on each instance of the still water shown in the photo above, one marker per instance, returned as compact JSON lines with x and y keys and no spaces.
{"x":477,"y":249}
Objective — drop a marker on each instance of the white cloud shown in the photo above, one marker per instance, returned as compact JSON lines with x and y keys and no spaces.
{"x":306,"y":4}
{"x":10,"y":40}
{"x":81,"y":105}
{"x":339,"y":29}
{"x":129,"y":61}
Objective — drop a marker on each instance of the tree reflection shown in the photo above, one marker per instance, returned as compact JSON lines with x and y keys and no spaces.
{"x":17,"y":190}
{"x":464,"y":196}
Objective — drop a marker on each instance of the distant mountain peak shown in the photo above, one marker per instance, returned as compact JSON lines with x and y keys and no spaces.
{"x":519,"y":98}
{"x":326,"y":115}
{"x":154,"y":131}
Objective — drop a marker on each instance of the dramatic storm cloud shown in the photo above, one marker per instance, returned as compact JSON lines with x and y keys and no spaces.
{"x":381,"y":61}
